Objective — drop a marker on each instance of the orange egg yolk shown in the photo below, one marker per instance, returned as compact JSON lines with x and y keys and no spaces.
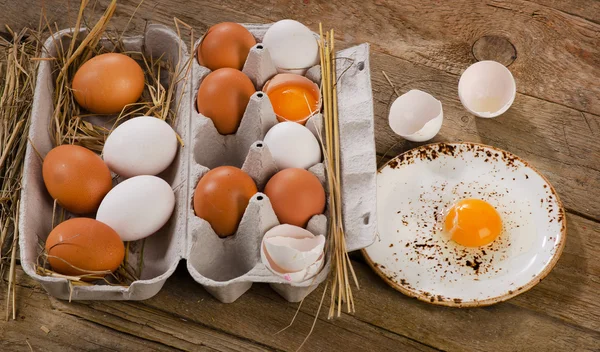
{"x":293,"y":103}
{"x":473,"y":223}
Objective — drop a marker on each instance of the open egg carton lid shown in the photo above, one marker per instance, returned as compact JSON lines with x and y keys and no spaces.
{"x":187,"y":237}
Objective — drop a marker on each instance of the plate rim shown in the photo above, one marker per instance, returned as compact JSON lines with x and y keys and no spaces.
{"x":488,"y":301}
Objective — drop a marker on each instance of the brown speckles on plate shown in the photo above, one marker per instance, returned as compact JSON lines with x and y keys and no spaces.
{"x":419,"y":247}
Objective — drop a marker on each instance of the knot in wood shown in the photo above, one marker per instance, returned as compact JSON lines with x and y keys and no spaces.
{"x":496,"y":48}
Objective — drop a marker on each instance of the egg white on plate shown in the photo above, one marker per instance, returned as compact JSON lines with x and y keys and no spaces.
{"x":413,"y":255}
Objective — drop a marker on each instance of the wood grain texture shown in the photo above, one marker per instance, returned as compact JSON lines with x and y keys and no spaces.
{"x":554,"y":124}
{"x":558,"y":56}
{"x":556,"y":139}
{"x":65,"y":332}
{"x":588,"y":9}
{"x":559,"y":141}
{"x":560,"y":313}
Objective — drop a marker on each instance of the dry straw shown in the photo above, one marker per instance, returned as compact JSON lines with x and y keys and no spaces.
{"x":72,"y":125}
{"x":17,"y":76}
{"x":341,"y":266}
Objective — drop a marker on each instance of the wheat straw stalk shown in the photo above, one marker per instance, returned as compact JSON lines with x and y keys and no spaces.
{"x":341,"y":291}
{"x":16,"y":93}
{"x":70,"y":123}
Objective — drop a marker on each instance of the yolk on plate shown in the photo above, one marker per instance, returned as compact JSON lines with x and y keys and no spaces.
{"x":473,"y":223}
{"x":293,"y":103}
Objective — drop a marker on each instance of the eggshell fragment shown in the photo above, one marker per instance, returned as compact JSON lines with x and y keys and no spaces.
{"x":416,"y":116}
{"x":293,"y":47}
{"x":137,"y":207}
{"x":143,"y":145}
{"x":293,"y":146}
{"x":292,"y":252}
{"x":487,"y":89}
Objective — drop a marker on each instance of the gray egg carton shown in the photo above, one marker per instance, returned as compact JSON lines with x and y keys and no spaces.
{"x":225,"y":267}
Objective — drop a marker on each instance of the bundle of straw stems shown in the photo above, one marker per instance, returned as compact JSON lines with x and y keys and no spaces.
{"x":18,"y":72}
{"x":341,"y":266}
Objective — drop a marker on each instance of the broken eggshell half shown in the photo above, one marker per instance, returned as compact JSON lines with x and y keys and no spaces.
{"x":416,"y":116}
{"x":292,"y":252}
{"x":487,"y":89}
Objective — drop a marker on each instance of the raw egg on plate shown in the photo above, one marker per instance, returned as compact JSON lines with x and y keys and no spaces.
{"x":472,"y":223}
{"x":294,"y":98}
{"x":223,"y":96}
{"x":106,"y":83}
{"x":225,"y":44}
{"x":464,"y":224}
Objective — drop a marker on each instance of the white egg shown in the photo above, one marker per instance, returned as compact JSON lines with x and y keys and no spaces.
{"x":293,"y":47}
{"x":137,"y":207}
{"x":143,"y":145}
{"x":292,"y":146}
{"x":487,"y":89}
{"x":416,"y":116}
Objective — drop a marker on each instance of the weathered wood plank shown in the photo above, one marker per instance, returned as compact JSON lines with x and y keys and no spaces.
{"x":558,"y":54}
{"x":186,"y":317}
{"x":588,"y":9}
{"x":422,"y":46}
{"x":65,"y":332}
{"x":561,"y":312}
{"x":107,"y":325}
{"x":556,"y":139}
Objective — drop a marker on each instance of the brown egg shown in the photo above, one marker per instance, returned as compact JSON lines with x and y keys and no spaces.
{"x":106,"y":83}
{"x":296,"y":195}
{"x":221,"y":198}
{"x":86,"y":244}
{"x":225,"y":44}
{"x":223,"y":96}
{"x":76,"y":177}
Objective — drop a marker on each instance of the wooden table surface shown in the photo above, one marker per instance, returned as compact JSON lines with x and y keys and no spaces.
{"x":552,"y":48}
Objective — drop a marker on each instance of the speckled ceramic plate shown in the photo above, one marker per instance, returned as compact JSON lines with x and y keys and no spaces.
{"x":413,"y":256}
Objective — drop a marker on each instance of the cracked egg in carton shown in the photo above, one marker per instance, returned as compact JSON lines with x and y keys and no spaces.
{"x":225,"y":267}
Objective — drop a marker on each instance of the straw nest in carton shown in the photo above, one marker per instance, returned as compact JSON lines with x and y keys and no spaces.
{"x":67,"y":52}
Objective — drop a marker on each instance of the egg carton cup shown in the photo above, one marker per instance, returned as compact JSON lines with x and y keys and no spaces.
{"x":163,"y":250}
{"x":225,"y":267}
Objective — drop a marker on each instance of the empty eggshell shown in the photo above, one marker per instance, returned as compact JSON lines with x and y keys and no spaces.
{"x":416,"y":116}
{"x":487,"y":89}
{"x":293,"y":47}
{"x":137,"y":207}
{"x":292,"y":252}
{"x":143,"y":145}
{"x":292,"y":146}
